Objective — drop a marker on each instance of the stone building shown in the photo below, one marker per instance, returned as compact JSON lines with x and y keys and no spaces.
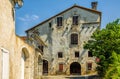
{"x":16,"y":56}
{"x":61,"y":39}
{"x":53,"y":47}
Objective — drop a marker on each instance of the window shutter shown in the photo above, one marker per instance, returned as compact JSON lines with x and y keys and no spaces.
{"x":60,"y":67}
{"x":59,"y":21}
{"x":89,"y":66}
{"x":74,"y":38}
{"x":75,"y":20}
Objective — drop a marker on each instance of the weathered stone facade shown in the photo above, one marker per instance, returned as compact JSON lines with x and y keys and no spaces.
{"x":57,"y":38}
{"x":20,"y":60}
{"x":16,"y":56}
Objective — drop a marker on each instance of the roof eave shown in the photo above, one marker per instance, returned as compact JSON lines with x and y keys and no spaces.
{"x":92,"y":10}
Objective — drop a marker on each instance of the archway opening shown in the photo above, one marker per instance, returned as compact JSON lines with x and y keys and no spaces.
{"x":75,"y":68}
{"x":45,"y":67}
{"x":23,"y":58}
{"x":24,"y":62}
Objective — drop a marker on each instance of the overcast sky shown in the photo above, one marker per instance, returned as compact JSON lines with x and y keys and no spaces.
{"x":35,"y":11}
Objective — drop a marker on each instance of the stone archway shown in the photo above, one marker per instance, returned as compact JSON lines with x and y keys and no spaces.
{"x":24,"y":62}
{"x":75,"y":68}
{"x":45,"y":67}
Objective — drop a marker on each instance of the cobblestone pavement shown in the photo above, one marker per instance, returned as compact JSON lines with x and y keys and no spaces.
{"x":70,"y":77}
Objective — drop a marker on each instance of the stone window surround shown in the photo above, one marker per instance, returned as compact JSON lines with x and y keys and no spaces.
{"x":77,"y":54}
{"x":75,"y":20}
{"x":90,"y":54}
{"x":89,"y":65}
{"x":60,"y":54}
{"x":76,"y":43}
{"x":59,"y":21}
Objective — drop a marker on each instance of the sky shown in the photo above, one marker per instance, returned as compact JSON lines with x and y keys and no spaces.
{"x":34,"y":12}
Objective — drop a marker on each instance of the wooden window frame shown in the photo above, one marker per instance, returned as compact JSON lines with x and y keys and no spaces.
{"x":89,"y":66}
{"x":61,"y":67}
{"x":59,"y":21}
{"x":75,"y":20}
{"x":74,"y":39}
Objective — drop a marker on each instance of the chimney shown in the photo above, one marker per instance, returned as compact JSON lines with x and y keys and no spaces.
{"x":94,"y":5}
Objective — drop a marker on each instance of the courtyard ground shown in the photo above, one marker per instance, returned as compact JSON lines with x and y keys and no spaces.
{"x":71,"y":77}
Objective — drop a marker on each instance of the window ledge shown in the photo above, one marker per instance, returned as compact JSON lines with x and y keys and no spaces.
{"x":58,"y":27}
{"x":73,"y":45}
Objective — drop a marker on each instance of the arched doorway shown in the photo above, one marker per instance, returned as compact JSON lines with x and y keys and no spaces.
{"x":22,"y":65}
{"x":24,"y":60}
{"x":75,"y":68}
{"x":45,"y":67}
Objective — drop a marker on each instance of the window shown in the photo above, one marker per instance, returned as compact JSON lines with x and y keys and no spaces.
{"x":89,"y":66}
{"x":41,"y":47}
{"x":76,"y":54}
{"x":45,"y":67}
{"x":60,"y":55}
{"x":90,"y":54}
{"x":74,"y":39}
{"x":59,"y":21}
{"x":75,"y":20}
{"x":50,"y":24}
{"x":60,"y":67}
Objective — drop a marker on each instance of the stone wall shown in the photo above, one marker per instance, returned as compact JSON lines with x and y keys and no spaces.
{"x":57,"y":40}
{"x":14,"y":45}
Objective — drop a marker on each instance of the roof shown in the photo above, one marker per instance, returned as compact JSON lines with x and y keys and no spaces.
{"x":23,"y":37}
{"x":88,"y":9}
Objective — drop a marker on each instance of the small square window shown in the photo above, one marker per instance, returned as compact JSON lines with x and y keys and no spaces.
{"x":60,"y":55}
{"x":89,"y":66}
{"x":90,"y":54}
{"x":76,"y":54}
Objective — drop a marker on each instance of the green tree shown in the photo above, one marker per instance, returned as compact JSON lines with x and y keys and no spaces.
{"x":104,"y":42}
{"x":113,"y":71}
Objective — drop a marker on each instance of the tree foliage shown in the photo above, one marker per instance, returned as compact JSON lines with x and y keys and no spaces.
{"x":113,"y":71}
{"x":103,"y":43}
